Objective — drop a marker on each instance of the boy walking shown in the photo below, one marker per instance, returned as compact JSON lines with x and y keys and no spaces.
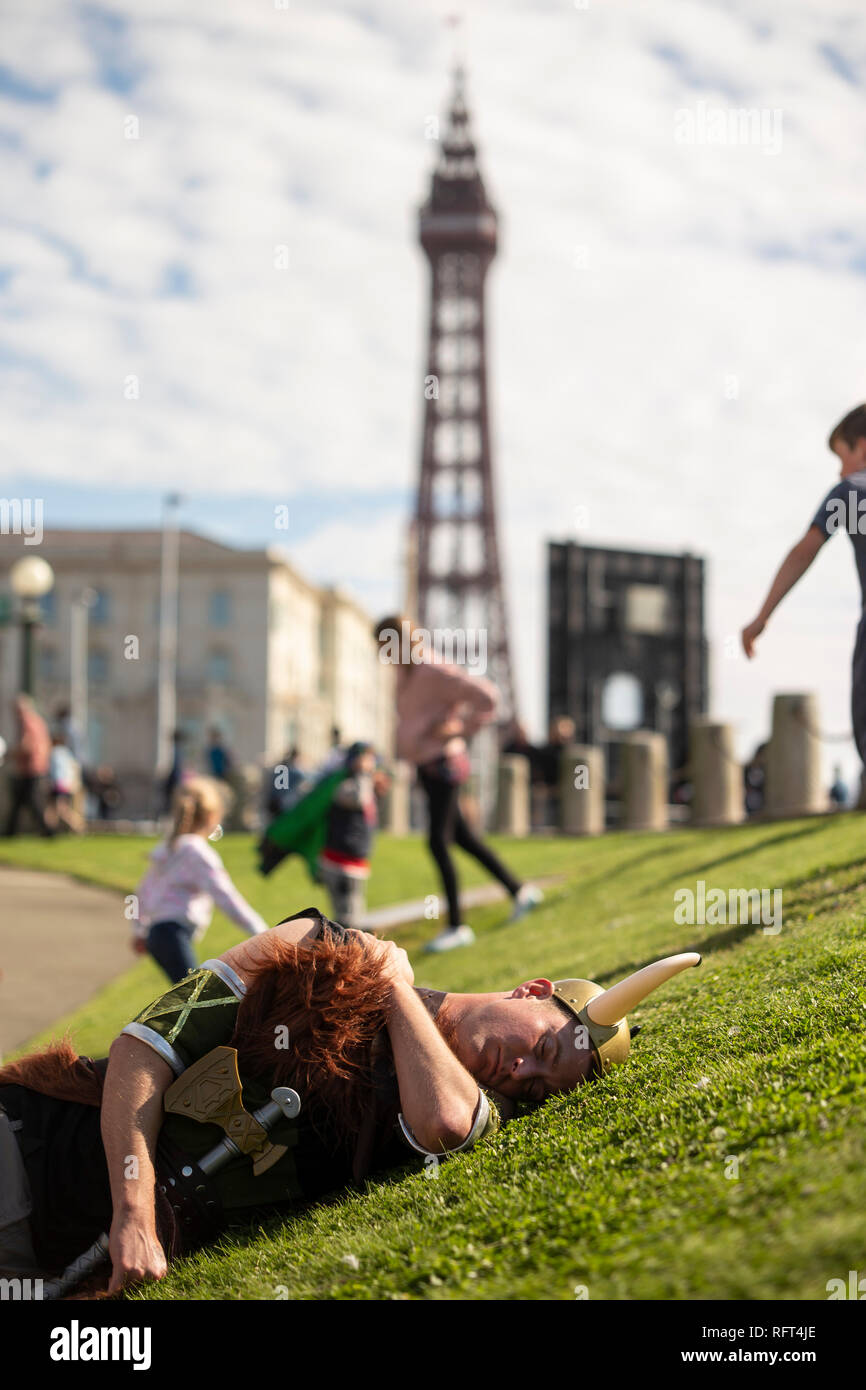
{"x":344,"y":863}
{"x":332,"y":828}
{"x":844,"y":508}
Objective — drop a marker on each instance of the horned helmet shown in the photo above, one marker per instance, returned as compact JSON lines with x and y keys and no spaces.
{"x":603,"y":1011}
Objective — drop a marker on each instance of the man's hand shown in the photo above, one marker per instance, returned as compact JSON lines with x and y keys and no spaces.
{"x":136,"y":1253}
{"x":749,"y":634}
{"x":139,"y":945}
{"x":394,"y":959}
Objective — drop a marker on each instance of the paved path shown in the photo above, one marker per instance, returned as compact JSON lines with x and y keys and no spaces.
{"x":60,"y":942}
{"x":401,"y":914}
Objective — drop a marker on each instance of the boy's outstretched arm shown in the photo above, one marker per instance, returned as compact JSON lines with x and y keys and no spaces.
{"x":792,"y":568}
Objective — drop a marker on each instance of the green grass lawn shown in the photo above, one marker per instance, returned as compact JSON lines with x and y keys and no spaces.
{"x":724,"y":1161}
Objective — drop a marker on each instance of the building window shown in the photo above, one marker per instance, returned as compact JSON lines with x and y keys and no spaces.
{"x":219,"y":667}
{"x":95,"y":738}
{"x":97,"y":665}
{"x":226,"y":727}
{"x":323,"y":660}
{"x":646,"y":609}
{"x":193,"y":735}
{"x":48,"y":608}
{"x":100,"y":608}
{"x":220,"y":608}
{"x":47,"y":664}
{"x":157,"y":609}
{"x":622,"y":701}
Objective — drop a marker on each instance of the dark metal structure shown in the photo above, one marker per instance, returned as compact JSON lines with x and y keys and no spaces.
{"x":459,"y":582}
{"x":626,"y":645}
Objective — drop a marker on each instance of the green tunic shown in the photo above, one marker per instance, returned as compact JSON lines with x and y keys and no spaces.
{"x":199,"y":1014}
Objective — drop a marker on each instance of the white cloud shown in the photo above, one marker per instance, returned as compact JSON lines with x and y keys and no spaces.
{"x":305,"y":127}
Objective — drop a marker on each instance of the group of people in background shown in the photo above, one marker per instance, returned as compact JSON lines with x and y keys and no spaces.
{"x":46,"y":777}
{"x":545,"y":767}
{"x":50,"y":782}
{"x":755,"y":784}
{"x":218,"y":758}
{"x":327,"y":815}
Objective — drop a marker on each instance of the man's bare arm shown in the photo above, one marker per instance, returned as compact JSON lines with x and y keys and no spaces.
{"x":132,"y":1115}
{"x":438,"y":1096}
{"x":253,"y":952}
{"x":792,"y":568}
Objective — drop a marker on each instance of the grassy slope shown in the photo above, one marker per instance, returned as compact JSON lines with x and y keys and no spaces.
{"x":622,"y":1188}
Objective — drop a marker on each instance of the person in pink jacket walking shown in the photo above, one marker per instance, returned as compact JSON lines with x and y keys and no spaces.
{"x":29,"y":757}
{"x":439,"y":708}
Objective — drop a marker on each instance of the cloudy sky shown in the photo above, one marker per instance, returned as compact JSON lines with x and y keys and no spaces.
{"x":676,"y":322}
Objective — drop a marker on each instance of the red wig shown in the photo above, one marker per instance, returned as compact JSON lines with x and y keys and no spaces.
{"x":56,"y":1071}
{"x":331,"y":996}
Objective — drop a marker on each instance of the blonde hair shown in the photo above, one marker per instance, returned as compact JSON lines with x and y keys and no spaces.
{"x":194,"y":805}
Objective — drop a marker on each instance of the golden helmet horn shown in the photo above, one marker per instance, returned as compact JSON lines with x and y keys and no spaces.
{"x":603,"y":1011}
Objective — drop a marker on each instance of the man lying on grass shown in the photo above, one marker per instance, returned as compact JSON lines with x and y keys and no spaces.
{"x":385,"y":1073}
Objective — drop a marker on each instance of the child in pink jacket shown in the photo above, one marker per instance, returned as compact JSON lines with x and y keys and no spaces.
{"x":186,"y":877}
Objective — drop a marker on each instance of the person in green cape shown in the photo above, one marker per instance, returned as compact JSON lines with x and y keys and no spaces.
{"x":332,"y":829}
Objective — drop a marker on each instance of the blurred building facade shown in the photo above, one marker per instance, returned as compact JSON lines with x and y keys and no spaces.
{"x":626,"y":645}
{"x":264,"y":655}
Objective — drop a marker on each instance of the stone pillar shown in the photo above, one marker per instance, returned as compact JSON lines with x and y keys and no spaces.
{"x":512,"y":795}
{"x":645,"y":781}
{"x":394,"y":813}
{"x":794,"y":785}
{"x":716,"y":776}
{"x":581,"y":790}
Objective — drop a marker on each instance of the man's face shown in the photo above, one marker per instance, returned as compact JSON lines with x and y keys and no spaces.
{"x":525,"y":1046}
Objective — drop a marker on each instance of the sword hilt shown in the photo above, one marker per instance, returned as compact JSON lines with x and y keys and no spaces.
{"x":78,"y":1270}
{"x":283,"y":1102}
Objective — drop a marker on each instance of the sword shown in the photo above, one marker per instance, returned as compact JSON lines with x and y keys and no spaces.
{"x":283,"y":1104}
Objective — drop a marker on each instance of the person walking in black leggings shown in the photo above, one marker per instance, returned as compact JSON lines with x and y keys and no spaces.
{"x":438,"y":708}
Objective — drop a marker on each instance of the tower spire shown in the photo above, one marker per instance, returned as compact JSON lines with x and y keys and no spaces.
{"x":459,"y":583}
{"x":457,"y":181}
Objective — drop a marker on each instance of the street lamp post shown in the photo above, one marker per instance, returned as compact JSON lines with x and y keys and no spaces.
{"x":78,"y":629}
{"x":166,"y":700}
{"x":31,"y":579}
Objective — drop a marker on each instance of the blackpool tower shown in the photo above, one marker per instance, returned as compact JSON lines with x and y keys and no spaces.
{"x":458,"y":581}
